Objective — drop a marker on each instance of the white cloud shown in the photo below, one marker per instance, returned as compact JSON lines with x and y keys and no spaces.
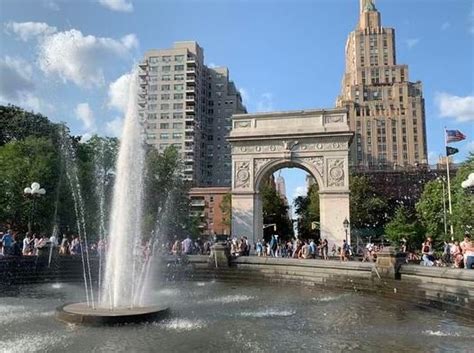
{"x":117,"y":5}
{"x":118,"y":93}
{"x":17,"y":87}
{"x":85,"y":137}
{"x":77,"y":58}
{"x":412,"y":42}
{"x":459,"y":108}
{"x":245,"y":95}
{"x":51,"y":5}
{"x":16,"y":77}
{"x":29,"y":30}
{"x":300,"y":191}
{"x":114,"y":127}
{"x":433,"y":157}
{"x":470,"y":146}
{"x":84,"y":113}
{"x":445,"y":26}
{"x":265,"y":103}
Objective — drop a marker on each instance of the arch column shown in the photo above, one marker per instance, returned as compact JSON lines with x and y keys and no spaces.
{"x":247,"y":217}
{"x":334,"y":208}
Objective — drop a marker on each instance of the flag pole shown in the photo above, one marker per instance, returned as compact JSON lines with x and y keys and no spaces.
{"x":451,"y":230}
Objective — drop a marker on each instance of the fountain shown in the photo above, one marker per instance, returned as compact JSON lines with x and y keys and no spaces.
{"x":122,"y":299}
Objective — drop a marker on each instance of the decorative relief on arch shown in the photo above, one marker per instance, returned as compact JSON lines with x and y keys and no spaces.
{"x":242,"y":175}
{"x":259,"y":163}
{"x":335,"y":172}
{"x":317,"y":162}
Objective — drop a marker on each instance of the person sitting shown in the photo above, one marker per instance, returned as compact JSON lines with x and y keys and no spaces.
{"x":427,"y":252}
{"x":467,"y":247}
{"x":456,"y":255}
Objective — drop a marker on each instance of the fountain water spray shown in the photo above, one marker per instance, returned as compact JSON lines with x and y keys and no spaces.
{"x":120,"y":280}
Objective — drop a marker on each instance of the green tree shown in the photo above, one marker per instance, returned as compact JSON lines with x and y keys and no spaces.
{"x":226,"y":209}
{"x":307,"y":210}
{"x":23,"y":162}
{"x":462,"y":200}
{"x":17,"y":124}
{"x":368,"y":208}
{"x":430,"y":208}
{"x":166,"y":204}
{"x":404,"y":226}
{"x":275,"y":211}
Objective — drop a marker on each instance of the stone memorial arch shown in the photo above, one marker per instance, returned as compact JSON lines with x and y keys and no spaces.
{"x":316,"y":141}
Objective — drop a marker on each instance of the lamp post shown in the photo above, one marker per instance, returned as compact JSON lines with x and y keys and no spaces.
{"x":442,"y":181}
{"x":346,"y":226}
{"x":33,"y":192}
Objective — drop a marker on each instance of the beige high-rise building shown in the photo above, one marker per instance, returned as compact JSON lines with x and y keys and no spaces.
{"x":189,"y":105}
{"x":386,"y":110}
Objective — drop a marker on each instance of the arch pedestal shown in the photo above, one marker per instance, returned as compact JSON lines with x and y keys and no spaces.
{"x":316,"y":141}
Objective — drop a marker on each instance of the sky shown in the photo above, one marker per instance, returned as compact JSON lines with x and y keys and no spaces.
{"x":69,"y":59}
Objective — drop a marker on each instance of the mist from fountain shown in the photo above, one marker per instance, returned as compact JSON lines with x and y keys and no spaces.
{"x":122,"y":275}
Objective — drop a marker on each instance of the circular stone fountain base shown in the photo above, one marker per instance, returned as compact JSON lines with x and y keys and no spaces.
{"x":82,"y":314}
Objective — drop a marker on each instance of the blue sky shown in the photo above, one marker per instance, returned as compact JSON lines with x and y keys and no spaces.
{"x":62,"y":57}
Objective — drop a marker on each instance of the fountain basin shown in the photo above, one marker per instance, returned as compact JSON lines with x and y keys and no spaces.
{"x":82,"y":314}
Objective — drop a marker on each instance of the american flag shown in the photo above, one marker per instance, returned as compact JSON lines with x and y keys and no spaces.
{"x":454,"y":136}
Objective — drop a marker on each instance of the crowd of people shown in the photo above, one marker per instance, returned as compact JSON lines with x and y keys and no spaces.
{"x":455,"y":254}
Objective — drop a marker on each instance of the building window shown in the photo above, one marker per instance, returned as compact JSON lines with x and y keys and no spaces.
{"x":179,"y":77}
{"x":164,"y":136}
{"x":178,"y":106}
{"x":178,"y":87}
{"x":179,"y":68}
{"x":164,"y":116}
{"x":177,"y":125}
{"x":164,"y":126}
{"x":165,"y":106}
{"x":165,"y":87}
{"x":177,"y":115}
{"x":177,"y":135}
{"x":166,"y":68}
{"x":165,"y":97}
{"x":151,"y":116}
{"x":166,"y":78}
{"x":179,"y":58}
{"x":178,"y":96}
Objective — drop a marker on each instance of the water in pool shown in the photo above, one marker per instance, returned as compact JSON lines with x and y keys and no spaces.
{"x":225,"y":317}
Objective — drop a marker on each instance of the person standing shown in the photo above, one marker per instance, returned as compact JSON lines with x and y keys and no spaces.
{"x":7,"y":242}
{"x":187,"y":246}
{"x":467,"y":247}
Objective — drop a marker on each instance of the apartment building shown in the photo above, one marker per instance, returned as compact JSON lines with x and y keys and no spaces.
{"x":188,"y":105}
{"x":386,"y":110}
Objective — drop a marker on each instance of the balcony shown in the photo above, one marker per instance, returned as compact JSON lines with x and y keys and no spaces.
{"x":190,"y":98}
{"x":191,"y":70}
{"x":190,"y":89}
{"x":190,"y":109}
{"x":143,"y":65}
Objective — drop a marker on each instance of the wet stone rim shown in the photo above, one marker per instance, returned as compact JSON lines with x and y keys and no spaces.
{"x":82,"y":314}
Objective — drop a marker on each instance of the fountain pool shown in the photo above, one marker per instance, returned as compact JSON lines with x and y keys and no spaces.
{"x":227,"y":317}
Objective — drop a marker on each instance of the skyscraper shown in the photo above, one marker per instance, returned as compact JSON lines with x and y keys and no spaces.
{"x":386,"y":110}
{"x":189,"y":105}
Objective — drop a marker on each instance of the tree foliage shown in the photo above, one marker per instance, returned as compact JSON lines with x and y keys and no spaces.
{"x":23,"y":162}
{"x":404,"y":226}
{"x":430,"y":208}
{"x":166,"y":204}
{"x":463,"y":200}
{"x":368,"y":208}
{"x":17,"y":124}
{"x":307,"y":210}
{"x":226,"y":209}
{"x":275,"y":211}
